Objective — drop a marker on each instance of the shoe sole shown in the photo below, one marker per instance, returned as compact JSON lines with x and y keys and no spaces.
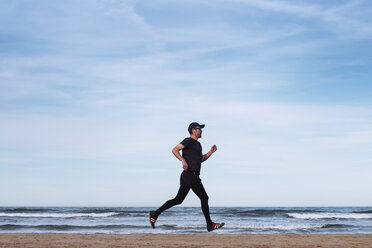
{"x":152,"y":224}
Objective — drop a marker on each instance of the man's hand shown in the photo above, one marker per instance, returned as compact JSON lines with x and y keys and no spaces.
{"x":176,"y":151}
{"x":214,"y":148}
{"x":208,"y":154}
{"x":185,"y":166}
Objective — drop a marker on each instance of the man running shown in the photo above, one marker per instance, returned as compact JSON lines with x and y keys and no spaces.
{"x":191,"y":159}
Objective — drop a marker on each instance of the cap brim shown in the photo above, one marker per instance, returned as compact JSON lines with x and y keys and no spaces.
{"x":202,"y":126}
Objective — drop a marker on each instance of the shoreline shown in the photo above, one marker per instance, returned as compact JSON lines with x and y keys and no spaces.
{"x":62,"y":240}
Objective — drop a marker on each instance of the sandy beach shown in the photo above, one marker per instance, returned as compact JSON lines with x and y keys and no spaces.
{"x":186,"y":240}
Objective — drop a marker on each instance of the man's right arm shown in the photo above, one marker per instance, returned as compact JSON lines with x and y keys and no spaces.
{"x":176,"y":152}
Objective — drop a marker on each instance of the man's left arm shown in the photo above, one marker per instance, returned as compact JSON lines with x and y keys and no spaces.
{"x":208,"y":154}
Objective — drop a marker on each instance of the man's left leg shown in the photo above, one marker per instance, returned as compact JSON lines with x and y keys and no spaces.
{"x":199,"y":190}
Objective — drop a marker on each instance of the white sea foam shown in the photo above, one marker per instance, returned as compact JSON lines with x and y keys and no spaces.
{"x":59,"y":215}
{"x":331,"y":216}
{"x":253,"y":227}
{"x":279,"y":227}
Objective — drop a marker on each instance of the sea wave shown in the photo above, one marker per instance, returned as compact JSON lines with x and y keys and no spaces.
{"x":9,"y":227}
{"x":336,"y":226}
{"x":330,"y":215}
{"x":59,"y":215}
{"x":167,"y":227}
{"x":185,"y":220}
{"x":24,"y":210}
{"x":363,"y":212}
{"x":260,"y":212}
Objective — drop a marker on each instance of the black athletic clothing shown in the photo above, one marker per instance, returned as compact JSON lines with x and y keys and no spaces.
{"x":192,"y":153}
{"x":189,"y":180}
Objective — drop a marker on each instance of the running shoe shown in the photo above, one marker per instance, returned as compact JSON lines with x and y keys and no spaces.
{"x":215,"y":226}
{"x":152,"y":219}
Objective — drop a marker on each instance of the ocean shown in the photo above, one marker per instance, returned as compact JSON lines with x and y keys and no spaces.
{"x":237,"y":220}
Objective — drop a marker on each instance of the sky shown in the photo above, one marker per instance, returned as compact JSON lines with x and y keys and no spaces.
{"x":95,"y":94}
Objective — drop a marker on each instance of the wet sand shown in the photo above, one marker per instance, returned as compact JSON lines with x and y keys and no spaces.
{"x":186,"y":240}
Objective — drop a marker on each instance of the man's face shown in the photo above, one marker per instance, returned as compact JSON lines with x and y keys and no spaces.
{"x":198,"y":132}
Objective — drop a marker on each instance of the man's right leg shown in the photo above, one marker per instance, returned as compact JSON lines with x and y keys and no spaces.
{"x":199,"y":190}
{"x":181,"y":195}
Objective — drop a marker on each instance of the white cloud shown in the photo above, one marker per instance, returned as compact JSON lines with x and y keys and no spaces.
{"x":349,"y":17}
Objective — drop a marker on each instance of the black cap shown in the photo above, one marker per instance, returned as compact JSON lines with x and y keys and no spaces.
{"x":194,"y":125}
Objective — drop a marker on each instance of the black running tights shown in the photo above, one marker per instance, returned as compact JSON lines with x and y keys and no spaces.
{"x":199,"y":190}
